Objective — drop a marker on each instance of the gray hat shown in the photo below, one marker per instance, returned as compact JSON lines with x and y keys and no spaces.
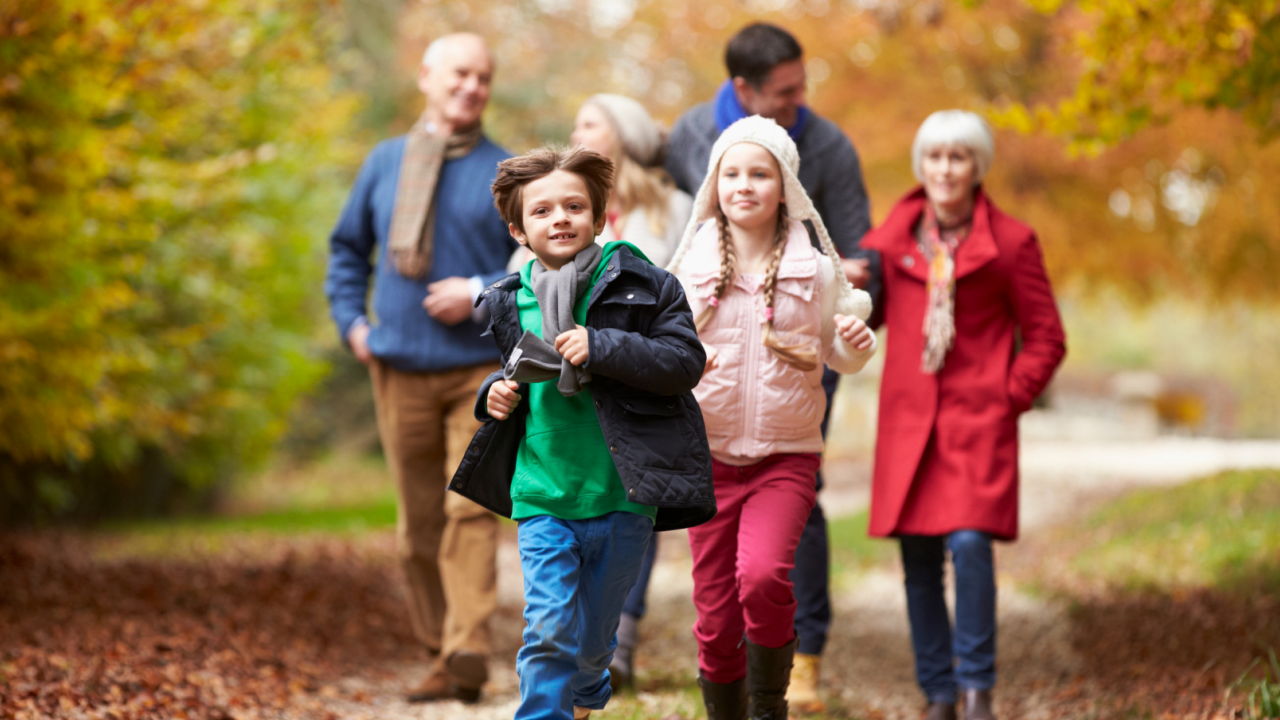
{"x":641,"y":137}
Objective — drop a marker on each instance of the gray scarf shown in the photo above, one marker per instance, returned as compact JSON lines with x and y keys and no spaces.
{"x":534,"y":358}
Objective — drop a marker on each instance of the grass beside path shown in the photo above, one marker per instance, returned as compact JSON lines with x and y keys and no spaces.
{"x":1221,"y":531}
{"x":1173,"y":592}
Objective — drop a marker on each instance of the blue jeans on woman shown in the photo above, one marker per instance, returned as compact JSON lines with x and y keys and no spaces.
{"x":576,"y":576}
{"x":967,"y":656}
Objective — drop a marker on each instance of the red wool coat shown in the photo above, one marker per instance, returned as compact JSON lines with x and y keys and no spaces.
{"x":947,"y":446}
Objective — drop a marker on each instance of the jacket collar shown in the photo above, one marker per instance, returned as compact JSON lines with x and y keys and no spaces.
{"x":896,"y":238}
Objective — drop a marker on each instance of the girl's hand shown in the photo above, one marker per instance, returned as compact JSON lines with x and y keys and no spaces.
{"x":503,"y":398}
{"x":713,"y":358}
{"x":574,"y":345}
{"x":854,"y":332}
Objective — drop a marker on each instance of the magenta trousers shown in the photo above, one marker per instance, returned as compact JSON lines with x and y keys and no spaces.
{"x":742,"y":556}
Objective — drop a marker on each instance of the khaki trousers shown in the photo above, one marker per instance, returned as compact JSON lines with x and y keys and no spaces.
{"x":447,"y":544}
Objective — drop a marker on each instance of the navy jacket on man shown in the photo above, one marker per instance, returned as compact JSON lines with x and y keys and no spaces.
{"x":470,"y":241}
{"x":645,"y":359}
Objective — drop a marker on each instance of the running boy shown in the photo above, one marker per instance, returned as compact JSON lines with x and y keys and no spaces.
{"x":592,"y":438}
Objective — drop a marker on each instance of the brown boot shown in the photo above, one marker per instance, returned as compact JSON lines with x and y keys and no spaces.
{"x":724,"y":701}
{"x":768,"y":674}
{"x":469,"y":672}
{"x":941,"y":711}
{"x":802,"y":693}
{"x":436,"y":686}
{"x":977,"y":705}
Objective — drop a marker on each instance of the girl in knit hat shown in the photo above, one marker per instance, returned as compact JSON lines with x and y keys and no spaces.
{"x":645,"y":209}
{"x":771,"y":310}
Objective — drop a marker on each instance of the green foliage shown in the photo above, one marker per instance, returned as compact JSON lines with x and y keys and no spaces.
{"x":207,"y":535}
{"x":1142,"y":61}
{"x":1262,"y":700}
{"x":1220,"y":531}
{"x":167,"y":174}
{"x":852,"y":550}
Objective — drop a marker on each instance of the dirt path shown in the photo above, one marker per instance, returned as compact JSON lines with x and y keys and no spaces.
{"x":868,"y":666}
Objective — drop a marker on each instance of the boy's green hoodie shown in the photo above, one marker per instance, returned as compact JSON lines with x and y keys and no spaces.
{"x":563,"y":466}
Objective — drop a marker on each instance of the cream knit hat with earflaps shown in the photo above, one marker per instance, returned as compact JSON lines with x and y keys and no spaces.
{"x":769,"y":135}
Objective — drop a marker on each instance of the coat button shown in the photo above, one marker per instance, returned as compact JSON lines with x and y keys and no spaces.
{"x":609,"y":268}
{"x":631,"y":296}
{"x":597,"y":403}
{"x":908,"y":261}
{"x":613,"y":449}
{"x":633,"y":492}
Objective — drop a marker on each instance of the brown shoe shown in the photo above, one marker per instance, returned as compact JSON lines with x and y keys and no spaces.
{"x":467,"y":668}
{"x":977,"y":705}
{"x":802,"y":692}
{"x":941,"y":711}
{"x":437,"y":686}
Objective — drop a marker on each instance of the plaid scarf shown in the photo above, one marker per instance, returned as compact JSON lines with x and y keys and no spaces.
{"x":938,"y":244}
{"x":413,"y":220}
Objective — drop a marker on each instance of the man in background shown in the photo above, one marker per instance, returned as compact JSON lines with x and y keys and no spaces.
{"x":421,"y":220}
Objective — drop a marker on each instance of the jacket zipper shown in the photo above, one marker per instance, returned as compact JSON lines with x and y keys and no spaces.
{"x":750,"y":380}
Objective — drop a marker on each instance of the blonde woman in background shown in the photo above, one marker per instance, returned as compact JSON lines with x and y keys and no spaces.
{"x":646,"y":209}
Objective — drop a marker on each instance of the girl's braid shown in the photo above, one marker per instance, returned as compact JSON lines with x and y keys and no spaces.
{"x":801,"y":357}
{"x":728,"y":268}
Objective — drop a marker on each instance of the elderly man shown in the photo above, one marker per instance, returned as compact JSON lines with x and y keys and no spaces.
{"x":421,"y":220}
{"x":767,"y":77}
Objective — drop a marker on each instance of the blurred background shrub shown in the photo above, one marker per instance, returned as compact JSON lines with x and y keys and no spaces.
{"x":168,"y":168}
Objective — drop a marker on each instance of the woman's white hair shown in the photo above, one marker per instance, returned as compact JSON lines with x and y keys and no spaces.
{"x":955,"y":127}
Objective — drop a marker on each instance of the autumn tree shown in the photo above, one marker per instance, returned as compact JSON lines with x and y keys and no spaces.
{"x":168,"y":169}
{"x":1142,"y":62}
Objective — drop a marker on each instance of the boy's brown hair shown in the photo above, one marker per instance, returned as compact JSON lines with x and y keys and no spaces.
{"x":595,"y":170}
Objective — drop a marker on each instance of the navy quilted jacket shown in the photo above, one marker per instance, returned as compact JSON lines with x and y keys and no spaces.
{"x":645,"y":359}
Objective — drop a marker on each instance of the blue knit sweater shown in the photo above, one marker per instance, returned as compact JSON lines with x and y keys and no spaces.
{"x":470,"y":240}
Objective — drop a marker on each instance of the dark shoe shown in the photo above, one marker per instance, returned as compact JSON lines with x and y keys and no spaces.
{"x":469,"y":672}
{"x":622,"y":667}
{"x":437,"y":686}
{"x":724,"y":701}
{"x":977,"y":705}
{"x":941,"y":711}
{"x":768,"y":674}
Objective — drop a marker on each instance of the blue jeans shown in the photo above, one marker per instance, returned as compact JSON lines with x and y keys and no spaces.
{"x":635,"y":605}
{"x":576,"y":576}
{"x":968,"y":659}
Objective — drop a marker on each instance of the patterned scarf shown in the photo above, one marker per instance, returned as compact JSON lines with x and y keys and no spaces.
{"x":939,"y":247}
{"x":413,"y":220}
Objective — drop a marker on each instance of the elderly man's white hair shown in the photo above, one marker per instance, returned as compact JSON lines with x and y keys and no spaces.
{"x":955,"y":127}
{"x":436,"y":50}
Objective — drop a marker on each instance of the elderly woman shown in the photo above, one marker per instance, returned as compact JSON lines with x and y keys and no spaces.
{"x":973,"y":337}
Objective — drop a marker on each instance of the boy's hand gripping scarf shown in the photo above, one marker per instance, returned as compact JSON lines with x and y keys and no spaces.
{"x":534,"y":358}
{"x":413,"y":220}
